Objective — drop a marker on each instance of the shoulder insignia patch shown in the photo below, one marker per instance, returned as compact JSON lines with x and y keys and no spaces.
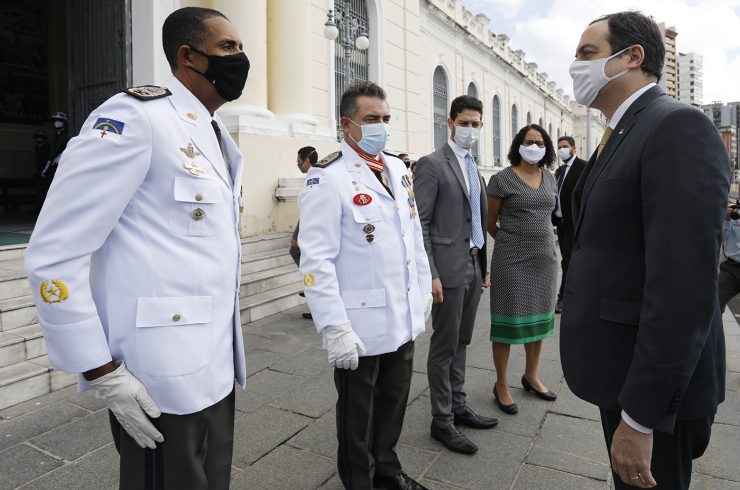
{"x":148,"y":92}
{"x":329,"y":159}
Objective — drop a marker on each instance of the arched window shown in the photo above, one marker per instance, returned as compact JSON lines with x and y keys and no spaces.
{"x":549,"y":130}
{"x":529,"y":118}
{"x":440,"y":108}
{"x":351,"y":64}
{"x":514,"y":121}
{"x":558,"y":131}
{"x":473,"y":92}
{"x":541,"y":124}
{"x":496,"y":124}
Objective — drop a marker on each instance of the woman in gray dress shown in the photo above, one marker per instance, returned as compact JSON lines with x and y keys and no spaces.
{"x":521,"y":199}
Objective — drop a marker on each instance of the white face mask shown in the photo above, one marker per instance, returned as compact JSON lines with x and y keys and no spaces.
{"x":532,"y":154}
{"x":564,"y":153}
{"x":465,"y":136}
{"x":589,"y":78}
{"x":58,"y":124}
{"x":374,"y":137}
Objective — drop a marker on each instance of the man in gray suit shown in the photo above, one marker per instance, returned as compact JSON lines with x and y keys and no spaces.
{"x":450,"y":195}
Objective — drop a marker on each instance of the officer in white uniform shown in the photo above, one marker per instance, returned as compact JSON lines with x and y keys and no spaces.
{"x":368,"y":285}
{"x":134,"y":261}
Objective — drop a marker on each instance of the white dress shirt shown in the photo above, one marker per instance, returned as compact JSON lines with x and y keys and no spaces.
{"x":559,"y":212}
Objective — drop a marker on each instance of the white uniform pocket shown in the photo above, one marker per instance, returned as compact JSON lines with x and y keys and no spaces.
{"x":366,"y":311}
{"x":194,"y":211}
{"x":173,"y":335}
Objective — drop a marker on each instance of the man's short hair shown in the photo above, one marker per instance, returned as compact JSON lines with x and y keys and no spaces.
{"x":632,"y":27}
{"x":569,"y":139}
{"x":185,"y":26}
{"x":465,"y":102}
{"x":310,"y":153}
{"x":348,"y":104}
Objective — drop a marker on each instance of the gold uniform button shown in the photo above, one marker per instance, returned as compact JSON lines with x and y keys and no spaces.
{"x":408,"y":261}
{"x":364,"y":303}
{"x":403,"y":234}
{"x":199,"y":197}
{"x":198,"y":214}
{"x":176,"y":317}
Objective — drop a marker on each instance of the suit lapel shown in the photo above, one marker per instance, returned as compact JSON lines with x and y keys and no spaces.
{"x":454,"y":164}
{"x":597,"y":165}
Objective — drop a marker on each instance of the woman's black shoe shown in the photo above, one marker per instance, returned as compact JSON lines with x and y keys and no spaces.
{"x":547,"y":395}
{"x":510,"y":409}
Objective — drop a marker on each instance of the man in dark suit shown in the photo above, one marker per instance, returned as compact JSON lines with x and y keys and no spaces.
{"x":641,"y":332}
{"x":566,"y":176}
{"x":450,"y":195}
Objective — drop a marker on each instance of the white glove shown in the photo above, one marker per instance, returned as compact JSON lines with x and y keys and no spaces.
{"x":343,"y":345}
{"x":428,"y":301}
{"x":128,"y":399}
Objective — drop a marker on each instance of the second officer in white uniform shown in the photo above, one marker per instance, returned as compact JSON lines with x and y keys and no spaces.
{"x":135,"y":261}
{"x":368,"y":285}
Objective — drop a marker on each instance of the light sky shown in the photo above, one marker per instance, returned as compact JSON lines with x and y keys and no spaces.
{"x":548,"y":31}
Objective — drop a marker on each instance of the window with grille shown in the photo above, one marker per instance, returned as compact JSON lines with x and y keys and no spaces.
{"x":473,"y":92}
{"x":440,"y":108}
{"x":496,"y":124}
{"x":514,"y":121}
{"x":350,"y":63}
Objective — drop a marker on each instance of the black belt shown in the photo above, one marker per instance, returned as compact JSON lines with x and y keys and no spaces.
{"x":474,"y":250}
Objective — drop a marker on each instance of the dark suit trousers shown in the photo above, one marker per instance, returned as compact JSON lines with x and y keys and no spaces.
{"x":565,"y":243}
{"x":196,"y":452}
{"x":371,"y":405}
{"x":672,"y":453}
{"x":452,"y":325}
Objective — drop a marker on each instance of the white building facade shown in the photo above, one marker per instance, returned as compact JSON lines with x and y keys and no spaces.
{"x":690,"y":78}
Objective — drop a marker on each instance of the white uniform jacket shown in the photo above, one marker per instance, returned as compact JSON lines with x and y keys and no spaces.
{"x":136,"y":253}
{"x":363,"y":260}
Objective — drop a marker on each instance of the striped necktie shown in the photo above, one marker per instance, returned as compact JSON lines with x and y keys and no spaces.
{"x":476,"y":231}
{"x":603,"y":141}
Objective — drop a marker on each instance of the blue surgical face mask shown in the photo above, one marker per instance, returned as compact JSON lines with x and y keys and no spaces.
{"x":374,"y":137}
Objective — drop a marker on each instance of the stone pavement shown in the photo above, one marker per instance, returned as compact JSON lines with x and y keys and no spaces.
{"x":285,"y":435}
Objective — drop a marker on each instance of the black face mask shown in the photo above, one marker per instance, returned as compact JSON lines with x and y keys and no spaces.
{"x":227,"y":73}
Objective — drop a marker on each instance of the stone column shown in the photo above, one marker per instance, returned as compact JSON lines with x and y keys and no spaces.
{"x":289,"y":41}
{"x":250,"y":20}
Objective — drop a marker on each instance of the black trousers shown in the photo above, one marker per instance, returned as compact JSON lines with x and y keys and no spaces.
{"x":728,"y":284}
{"x":371,"y":406}
{"x":196,"y":452}
{"x":672,"y":453}
{"x":565,"y":243}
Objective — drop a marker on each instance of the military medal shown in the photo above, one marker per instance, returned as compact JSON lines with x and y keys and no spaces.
{"x":362,"y":199}
{"x":368,"y":228}
{"x":385,"y":181}
{"x":194,"y":168}
{"x":190,"y":151}
{"x":369,"y":238}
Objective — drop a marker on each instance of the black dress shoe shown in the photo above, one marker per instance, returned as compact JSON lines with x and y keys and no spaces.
{"x":471,"y":419}
{"x":307,"y":316}
{"x":559,"y":306}
{"x":401,"y":481}
{"x":546,"y":395}
{"x":453,"y":439}
{"x":510,"y":409}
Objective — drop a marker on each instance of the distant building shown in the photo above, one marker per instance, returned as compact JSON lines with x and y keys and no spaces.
{"x":726,"y":118}
{"x":670,"y":74}
{"x":690,"y":78}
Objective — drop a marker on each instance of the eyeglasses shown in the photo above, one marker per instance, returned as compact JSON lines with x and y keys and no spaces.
{"x":541,"y":144}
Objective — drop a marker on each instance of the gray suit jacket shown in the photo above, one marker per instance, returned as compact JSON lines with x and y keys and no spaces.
{"x":444,"y":211}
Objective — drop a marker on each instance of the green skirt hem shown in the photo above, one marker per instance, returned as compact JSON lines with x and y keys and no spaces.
{"x":528,"y":340}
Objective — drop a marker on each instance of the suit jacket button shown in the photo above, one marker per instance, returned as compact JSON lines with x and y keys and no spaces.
{"x":576,"y":246}
{"x":176,"y":317}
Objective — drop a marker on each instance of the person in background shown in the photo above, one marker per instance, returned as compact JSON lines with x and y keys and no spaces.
{"x":524,"y":263}
{"x":729,"y":270}
{"x":412,"y":167}
{"x":306,"y":158}
{"x":566,"y":177}
{"x":641,"y":333}
{"x":452,"y":208}
{"x":405,"y":159}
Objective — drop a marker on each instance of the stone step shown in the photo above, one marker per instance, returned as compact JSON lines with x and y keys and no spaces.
{"x":17,"y":312}
{"x":13,"y":282}
{"x":267,"y":260}
{"x":259,"y":282}
{"x":57,"y":379}
{"x":23,"y":381}
{"x":270,"y":302}
{"x":12,"y":252}
{"x":264,"y":243}
{"x":21,"y":344}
